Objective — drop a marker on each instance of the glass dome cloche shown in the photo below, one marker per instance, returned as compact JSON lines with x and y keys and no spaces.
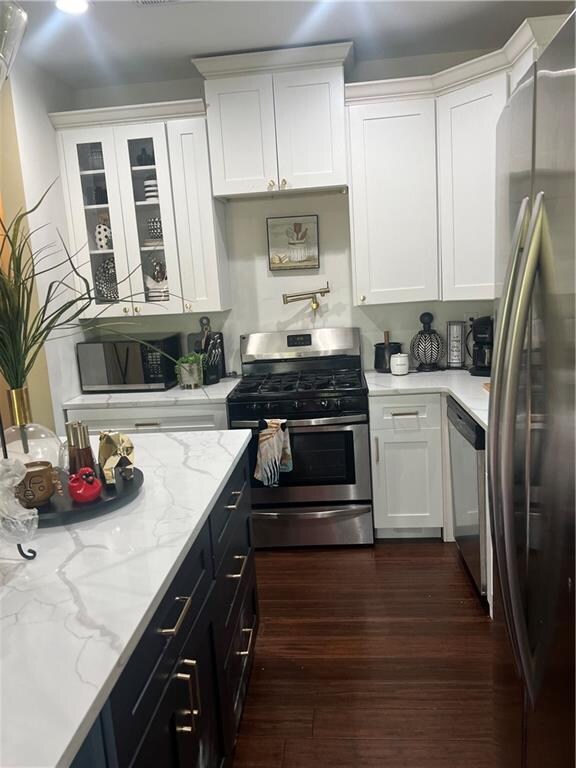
{"x":25,"y":440}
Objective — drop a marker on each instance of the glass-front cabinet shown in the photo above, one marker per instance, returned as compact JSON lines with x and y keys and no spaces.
{"x":97,"y":232}
{"x":123,"y":185}
{"x":145,"y":189}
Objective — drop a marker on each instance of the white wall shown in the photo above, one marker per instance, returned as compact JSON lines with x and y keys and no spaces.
{"x":139,"y":93}
{"x":257,"y":301}
{"x":34,"y":94}
{"x":193,"y":87}
{"x":409,"y":66}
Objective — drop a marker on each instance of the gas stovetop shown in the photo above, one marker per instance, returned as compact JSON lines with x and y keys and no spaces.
{"x":300,"y":375}
{"x":303,"y":384}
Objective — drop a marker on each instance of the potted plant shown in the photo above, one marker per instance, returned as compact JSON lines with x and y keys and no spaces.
{"x":25,"y":327}
{"x":189,"y":370}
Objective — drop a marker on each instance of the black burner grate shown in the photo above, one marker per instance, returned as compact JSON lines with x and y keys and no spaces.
{"x":316,"y":381}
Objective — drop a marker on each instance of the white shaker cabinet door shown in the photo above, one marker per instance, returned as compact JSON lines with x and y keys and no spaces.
{"x":407,"y":478}
{"x":242,"y":134}
{"x":310,"y":130}
{"x":200,"y":220}
{"x":467,"y":121}
{"x":393,"y":201}
{"x":148,"y":213}
{"x":95,"y":223}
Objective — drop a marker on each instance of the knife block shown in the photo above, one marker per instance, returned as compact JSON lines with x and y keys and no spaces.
{"x":211,"y":374}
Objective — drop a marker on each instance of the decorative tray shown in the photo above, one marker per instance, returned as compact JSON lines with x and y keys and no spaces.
{"x":62,"y":510}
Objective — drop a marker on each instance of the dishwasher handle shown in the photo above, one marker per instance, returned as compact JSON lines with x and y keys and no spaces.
{"x":466,"y":425}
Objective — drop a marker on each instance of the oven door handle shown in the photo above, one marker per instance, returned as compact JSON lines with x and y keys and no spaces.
{"x":361,"y":418}
{"x":320,"y":514}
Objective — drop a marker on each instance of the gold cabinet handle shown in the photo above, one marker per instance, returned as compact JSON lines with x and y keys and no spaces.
{"x":137,"y":310}
{"x":362,"y":298}
{"x":405,"y":413}
{"x":125,"y":310}
{"x":188,"y":307}
{"x":250,"y":632}
{"x":193,"y":664}
{"x":171,"y":631}
{"x":271,"y":184}
{"x":377,"y":449}
{"x":240,"y":573}
{"x":283,"y":183}
{"x":238,"y":495}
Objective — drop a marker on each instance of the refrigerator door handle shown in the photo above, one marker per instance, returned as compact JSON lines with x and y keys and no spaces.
{"x":519,"y":315}
{"x":494,"y":433}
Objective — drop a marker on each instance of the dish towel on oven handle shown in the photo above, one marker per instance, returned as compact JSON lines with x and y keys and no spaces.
{"x":274,"y":452}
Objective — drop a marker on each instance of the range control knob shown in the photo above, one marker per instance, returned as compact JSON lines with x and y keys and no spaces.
{"x":324,"y":403}
{"x":296,"y":405}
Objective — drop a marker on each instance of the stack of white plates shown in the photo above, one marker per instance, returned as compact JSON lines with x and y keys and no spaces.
{"x":156,"y":291}
{"x":158,"y":295}
{"x":151,"y":189}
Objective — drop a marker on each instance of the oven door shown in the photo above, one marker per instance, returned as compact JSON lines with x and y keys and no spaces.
{"x":331,"y":463}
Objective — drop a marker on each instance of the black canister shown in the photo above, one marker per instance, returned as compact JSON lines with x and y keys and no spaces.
{"x":382,"y":353}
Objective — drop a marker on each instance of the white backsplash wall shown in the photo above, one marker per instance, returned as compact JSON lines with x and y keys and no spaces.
{"x":257,"y":302}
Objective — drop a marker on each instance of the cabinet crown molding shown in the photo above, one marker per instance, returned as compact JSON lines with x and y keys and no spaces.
{"x":331,"y":54}
{"x":135,"y":113}
{"x":532,"y":32}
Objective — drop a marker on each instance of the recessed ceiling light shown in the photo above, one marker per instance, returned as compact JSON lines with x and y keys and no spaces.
{"x":72,"y":6}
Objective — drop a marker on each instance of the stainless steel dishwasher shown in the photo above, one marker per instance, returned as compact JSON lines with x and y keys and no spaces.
{"x":468,"y":473}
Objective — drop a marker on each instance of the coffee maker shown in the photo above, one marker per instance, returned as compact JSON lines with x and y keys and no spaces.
{"x":483,"y":337}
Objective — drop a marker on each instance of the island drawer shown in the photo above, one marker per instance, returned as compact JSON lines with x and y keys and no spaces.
{"x":239,"y":657}
{"x":233,"y":505}
{"x":138,"y":690}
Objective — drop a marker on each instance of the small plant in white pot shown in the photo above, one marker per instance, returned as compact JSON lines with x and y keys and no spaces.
{"x":189,"y":370}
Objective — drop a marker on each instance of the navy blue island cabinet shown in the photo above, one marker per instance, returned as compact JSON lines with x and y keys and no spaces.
{"x":179,"y":700}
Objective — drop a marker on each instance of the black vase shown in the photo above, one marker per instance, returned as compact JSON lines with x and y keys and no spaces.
{"x":427,"y":346}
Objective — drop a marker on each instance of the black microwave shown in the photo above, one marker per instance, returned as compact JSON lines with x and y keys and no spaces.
{"x":118,"y":365}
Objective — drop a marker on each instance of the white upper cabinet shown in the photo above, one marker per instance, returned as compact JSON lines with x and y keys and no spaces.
{"x":310,"y":130}
{"x":467,"y":121}
{"x":148,"y":236}
{"x":393,"y":201}
{"x":142,"y":165}
{"x":242,"y":134}
{"x":276,"y":119}
{"x":399,"y":188}
{"x":200,"y":220}
{"x":95,"y":224}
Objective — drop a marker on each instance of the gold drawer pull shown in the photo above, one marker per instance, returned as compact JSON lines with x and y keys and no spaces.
{"x":406,"y":413}
{"x":238,"y":575}
{"x":250,"y":632}
{"x":184,"y":729}
{"x":238,"y":495}
{"x":194,"y":665}
{"x":174,"y":630}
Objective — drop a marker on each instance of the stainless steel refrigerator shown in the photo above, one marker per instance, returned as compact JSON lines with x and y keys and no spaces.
{"x":531,"y":424}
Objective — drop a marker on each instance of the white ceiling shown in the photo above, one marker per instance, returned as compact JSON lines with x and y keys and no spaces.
{"x":122,"y":41}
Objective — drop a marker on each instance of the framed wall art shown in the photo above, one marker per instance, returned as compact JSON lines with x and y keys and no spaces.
{"x":293,"y":243}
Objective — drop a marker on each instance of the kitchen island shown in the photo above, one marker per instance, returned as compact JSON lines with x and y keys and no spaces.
{"x":71,"y":619}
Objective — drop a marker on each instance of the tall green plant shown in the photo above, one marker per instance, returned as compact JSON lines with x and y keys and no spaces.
{"x":24,"y":329}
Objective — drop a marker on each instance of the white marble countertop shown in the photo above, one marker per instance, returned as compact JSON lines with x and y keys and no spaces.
{"x":215,"y":393}
{"x":463,"y":387}
{"x":70,"y":619}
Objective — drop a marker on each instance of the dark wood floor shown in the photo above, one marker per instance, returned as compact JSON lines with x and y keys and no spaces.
{"x":368,"y":658}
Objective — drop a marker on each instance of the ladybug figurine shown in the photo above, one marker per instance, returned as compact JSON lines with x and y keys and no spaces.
{"x":84,"y":486}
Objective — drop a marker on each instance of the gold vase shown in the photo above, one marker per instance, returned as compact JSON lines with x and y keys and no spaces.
{"x":19,"y":405}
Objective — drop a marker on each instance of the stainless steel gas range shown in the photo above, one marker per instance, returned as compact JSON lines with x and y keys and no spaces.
{"x":314,"y":380}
